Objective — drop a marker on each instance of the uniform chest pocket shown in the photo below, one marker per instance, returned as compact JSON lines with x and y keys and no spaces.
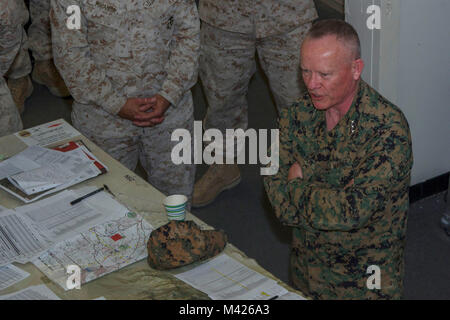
{"x":156,"y":21}
{"x":107,"y":29}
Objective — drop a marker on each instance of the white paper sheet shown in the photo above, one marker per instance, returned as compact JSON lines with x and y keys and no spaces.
{"x":224,"y":278}
{"x":15,"y":165}
{"x":10,"y":275}
{"x":28,"y":231}
{"x":47,"y":133}
{"x":56,"y":168}
{"x":40,"y":292}
{"x":44,"y":171}
{"x":44,"y":156}
{"x":57,"y":220}
{"x":19,"y":241}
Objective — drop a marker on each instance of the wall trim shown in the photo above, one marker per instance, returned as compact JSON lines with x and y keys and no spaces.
{"x":429,"y":187}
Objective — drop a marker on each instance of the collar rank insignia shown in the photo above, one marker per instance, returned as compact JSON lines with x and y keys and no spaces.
{"x":352,"y":127}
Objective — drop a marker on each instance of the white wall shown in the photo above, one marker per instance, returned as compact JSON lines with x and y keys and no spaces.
{"x":408,"y":62}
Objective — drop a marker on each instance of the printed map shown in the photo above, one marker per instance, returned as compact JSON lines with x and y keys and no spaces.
{"x":103,"y":249}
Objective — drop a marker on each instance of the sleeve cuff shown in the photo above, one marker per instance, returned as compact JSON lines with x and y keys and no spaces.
{"x":114,"y":103}
{"x":307,"y":169}
{"x":295,"y":189}
{"x":171,"y":93}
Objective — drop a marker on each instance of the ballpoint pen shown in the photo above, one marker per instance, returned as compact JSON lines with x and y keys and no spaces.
{"x":86,"y":196}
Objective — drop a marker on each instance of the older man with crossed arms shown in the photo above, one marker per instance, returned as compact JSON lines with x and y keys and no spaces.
{"x":345,"y":164}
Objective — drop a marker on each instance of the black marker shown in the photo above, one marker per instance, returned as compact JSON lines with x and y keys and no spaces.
{"x":86,"y":196}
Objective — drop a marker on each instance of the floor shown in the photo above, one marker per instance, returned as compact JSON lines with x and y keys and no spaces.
{"x":245,"y":213}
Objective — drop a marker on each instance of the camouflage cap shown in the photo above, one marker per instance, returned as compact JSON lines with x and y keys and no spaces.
{"x":180,"y":243}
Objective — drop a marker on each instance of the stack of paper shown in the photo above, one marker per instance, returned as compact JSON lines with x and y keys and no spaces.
{"x":38,"y":171}
{"x":40,"y":292}
{"x":47,"y":133}
{"x":224,"y":278}
{"x":19,"y":241}
{"x":10,"y":275}
{"x":28,"y":231}
{"x":98,"y":234}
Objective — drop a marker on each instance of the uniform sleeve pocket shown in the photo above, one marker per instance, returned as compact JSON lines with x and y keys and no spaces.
{"x":101,"y":13}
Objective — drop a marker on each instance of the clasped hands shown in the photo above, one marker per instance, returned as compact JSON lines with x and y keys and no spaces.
{"x":145,"y":112}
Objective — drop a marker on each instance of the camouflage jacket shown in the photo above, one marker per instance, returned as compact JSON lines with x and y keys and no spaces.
{"x":13,"y":16}
{"x":349,"y":210}
{"x":262,"y":17}
{"x":126,"y":49}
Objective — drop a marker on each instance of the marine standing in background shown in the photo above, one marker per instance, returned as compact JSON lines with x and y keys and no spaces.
{"x":345,"y":165}
{"x":231,"y":33}
{"x":130,"y":68}
{"x":40,"y":43}
{"x":12,"y":21}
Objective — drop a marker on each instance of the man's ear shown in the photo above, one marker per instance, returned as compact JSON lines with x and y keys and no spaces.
{"x":357,"y":68}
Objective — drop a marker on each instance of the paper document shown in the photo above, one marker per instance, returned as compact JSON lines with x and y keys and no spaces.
{"x":56,"y":168}
{"x":224,"y":278}
{"x":47,"y":133}
{"x":15,"y":165}
{"x":28,"y":231}
{"x":56,"y":219}
{"x":101,"y":250}
{"x":44,"y":156}
{"x":10,"y":275}
{"x":40,"y":292}
{"x":19,"y":241}
{"x":53,"y":171}
{"x":79,"y":148}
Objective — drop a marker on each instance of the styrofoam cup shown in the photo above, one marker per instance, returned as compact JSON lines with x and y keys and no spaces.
{"x":175,"y":206}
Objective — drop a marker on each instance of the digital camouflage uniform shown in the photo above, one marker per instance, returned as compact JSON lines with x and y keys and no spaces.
{"x":341,"y":228}
{"x":39,"y":39}
{"x":231,"y":33}
{"x":128,"y":49}
{"x":11,"y":33}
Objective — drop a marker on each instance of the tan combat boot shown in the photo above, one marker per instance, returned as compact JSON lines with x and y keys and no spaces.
{"x":218,"y":178}
{"x":21,"y":89}
{"x":45,"y":73}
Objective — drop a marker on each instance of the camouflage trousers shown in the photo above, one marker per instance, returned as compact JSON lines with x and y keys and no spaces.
{"x":227,"y":63}
{"x":11,"y":34}
{"x":151,"y":146}
{"x":326,"y":270}
{"x":10,"y":120}
{"x":38,"y":41}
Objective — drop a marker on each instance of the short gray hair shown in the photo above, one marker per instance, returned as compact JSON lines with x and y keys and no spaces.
{"x":339,"y":28}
